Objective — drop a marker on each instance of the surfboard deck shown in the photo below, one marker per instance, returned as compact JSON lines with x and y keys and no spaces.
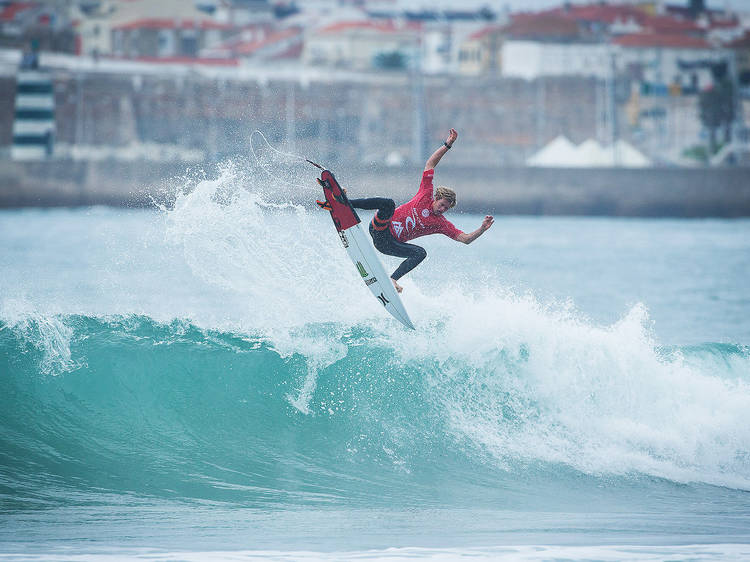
{"x":360,"y":249}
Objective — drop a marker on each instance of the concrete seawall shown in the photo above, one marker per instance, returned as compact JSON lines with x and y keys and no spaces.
{"x":652,"y":192}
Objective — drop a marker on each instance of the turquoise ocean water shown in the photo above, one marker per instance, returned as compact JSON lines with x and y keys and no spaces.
{"x":215,"y":381}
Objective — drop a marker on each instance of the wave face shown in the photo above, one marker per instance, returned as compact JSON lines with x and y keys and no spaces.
{"x":128,"y":405}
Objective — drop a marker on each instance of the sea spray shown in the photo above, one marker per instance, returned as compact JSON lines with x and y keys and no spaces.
{"x":236,"y":235}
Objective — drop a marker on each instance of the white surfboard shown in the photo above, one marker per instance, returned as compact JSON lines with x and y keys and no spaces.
{"x":369,"y":267}
{"x":360,"y":249}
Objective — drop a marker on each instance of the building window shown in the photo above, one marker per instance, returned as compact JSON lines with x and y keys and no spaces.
{"x":165,"y":43}
{"x":117,"y":42}
{"x":189,"y":43}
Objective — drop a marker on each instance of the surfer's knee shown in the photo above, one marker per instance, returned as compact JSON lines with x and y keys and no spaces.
{"x":386,"y":209}
{"x":419,"y":254}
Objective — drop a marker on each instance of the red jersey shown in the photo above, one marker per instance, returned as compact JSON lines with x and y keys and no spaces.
{"x":414,"y":219}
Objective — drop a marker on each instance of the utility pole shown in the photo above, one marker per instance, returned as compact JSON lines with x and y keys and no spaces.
{"x":417,"y":94}
{"x":613,"y":106}
{"x":599,"y":106}
{"x":541,"y":94}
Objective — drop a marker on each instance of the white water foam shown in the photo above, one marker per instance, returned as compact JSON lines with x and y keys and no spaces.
{"x":526,"y":382}
{"x":48,"y":333}
{"x":605,"y":553}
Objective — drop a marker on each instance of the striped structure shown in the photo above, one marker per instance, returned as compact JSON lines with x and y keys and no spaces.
{"x":34,"y":123}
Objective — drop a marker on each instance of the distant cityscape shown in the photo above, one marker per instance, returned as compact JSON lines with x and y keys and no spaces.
{"x":582,"y":84}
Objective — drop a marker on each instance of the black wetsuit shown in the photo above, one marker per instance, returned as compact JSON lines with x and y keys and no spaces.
{"x":383,"y":239}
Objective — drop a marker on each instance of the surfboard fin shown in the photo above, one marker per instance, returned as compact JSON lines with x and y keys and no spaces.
{"x":324,"y":205}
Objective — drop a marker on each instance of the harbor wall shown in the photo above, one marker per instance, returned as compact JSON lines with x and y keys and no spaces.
{"x":646,"y":192}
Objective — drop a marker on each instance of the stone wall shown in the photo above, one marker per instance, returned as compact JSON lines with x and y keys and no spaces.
{"x":653,"y":192}
{"x":361,"y":119}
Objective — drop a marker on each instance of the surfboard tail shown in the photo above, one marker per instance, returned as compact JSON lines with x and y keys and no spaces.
{"x":342,"y":212}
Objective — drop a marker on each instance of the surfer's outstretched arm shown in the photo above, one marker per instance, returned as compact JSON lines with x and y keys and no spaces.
{"x":470,"y":237}
{"x":433,"y":160}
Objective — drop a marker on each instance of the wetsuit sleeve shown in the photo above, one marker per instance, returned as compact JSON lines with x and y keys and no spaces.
{"x":426,"y":185}
{"x":447,"y":228}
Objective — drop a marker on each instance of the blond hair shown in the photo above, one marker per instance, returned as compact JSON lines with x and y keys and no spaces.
{"x":443,"y":192}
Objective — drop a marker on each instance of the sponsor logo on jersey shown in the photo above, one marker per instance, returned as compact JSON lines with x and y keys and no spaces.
{"x":409,"y":223}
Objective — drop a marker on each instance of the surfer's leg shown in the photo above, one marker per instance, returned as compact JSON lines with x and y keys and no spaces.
{"x":386,"y":244}
{"x":414,"y":256}
{"x":384,"y":206}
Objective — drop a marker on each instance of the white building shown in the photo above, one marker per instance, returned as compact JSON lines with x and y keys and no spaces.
{"x":95,"y":23}
{"x":668,"y":60}
{"x":534,"y":59}
{"x":358,"y":45}
{"x":654,"y":59}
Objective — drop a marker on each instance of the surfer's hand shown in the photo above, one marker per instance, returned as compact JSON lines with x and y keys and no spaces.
{"x":452,"y":136}
{"x":487,"y":222}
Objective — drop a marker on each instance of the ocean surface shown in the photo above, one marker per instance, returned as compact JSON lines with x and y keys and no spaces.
{"x":214,"y":381}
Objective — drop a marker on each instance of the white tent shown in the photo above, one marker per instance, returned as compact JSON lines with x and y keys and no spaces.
{"x":591,"y":154}
{"x":558,"y":151}
{"x":561,"y":153}
{"x":625,"y":154}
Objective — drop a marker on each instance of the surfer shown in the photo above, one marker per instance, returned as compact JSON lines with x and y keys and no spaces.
{"x":392,"y":227}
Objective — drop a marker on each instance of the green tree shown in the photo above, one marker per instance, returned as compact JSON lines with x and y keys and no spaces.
{"x":717,"y":110}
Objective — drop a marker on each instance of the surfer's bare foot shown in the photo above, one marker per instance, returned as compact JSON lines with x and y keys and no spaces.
{"x":398,"y":287}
